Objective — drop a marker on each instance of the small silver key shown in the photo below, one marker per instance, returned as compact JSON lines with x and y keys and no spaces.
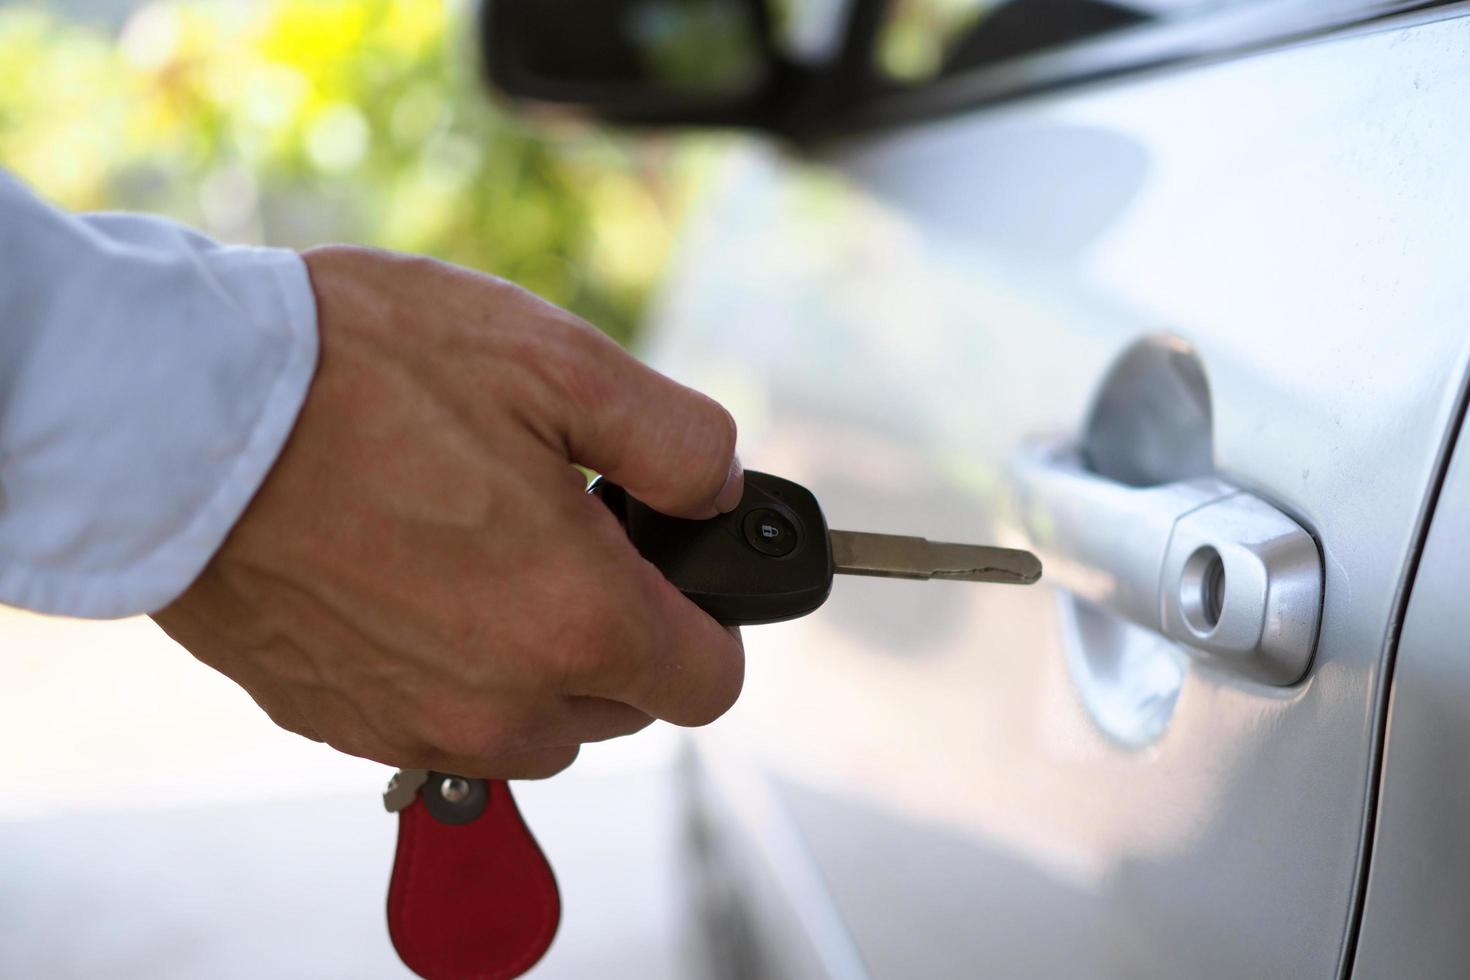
{"x":403,"y":787}
{"x":900,"y":556}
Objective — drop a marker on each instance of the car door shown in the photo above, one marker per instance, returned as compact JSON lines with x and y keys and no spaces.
{"x":966,"y":780}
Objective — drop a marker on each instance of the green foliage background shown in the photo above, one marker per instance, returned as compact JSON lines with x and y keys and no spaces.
{"x":294,"y":123}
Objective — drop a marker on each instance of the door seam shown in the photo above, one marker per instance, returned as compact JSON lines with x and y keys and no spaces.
{"x":1358,"y":905}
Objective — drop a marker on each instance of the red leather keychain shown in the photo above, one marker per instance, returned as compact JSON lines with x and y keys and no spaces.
{"x":472,"y":896}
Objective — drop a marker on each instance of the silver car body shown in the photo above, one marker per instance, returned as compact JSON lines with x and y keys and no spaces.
{"x":947,"y":780}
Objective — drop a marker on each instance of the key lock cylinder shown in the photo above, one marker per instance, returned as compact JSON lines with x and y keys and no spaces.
{"x":1202,"y":562}
{"x":1135,"y":523}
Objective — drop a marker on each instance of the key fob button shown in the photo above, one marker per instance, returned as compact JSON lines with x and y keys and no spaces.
{"x":769,"y":532}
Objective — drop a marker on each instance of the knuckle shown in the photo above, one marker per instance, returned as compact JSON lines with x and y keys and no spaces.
{"x":567,"y":357}
{"x":571,"y":654}
{"x":579,"y":662}
{"x":591,"y":648}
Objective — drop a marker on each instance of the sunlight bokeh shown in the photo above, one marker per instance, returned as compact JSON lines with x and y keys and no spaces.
{"x":335,"y":120}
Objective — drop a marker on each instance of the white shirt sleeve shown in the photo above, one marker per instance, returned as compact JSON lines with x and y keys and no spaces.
{"x":148,"y":379}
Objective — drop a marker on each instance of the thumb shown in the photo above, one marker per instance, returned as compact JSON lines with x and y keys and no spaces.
{"x":670,"y":446}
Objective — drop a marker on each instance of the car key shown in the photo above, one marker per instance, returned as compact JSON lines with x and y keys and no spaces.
{"x":773,"y":558}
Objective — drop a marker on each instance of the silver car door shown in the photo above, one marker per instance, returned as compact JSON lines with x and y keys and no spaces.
{"x":999,"y":782}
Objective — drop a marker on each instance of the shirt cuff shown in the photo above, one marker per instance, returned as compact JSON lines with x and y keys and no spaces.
{"x":181,"y":479}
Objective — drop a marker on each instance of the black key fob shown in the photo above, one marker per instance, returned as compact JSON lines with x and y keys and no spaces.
{"x":767,"y":560}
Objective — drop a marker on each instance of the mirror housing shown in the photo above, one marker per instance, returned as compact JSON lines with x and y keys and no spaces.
{"x":647,"y":62}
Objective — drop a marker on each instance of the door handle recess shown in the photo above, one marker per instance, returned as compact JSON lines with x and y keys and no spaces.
{"x":1202,"y":562}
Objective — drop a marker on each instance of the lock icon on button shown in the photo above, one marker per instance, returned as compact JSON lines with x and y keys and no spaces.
{"x":770,"y":532}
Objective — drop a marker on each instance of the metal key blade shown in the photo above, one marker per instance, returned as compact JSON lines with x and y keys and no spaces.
{"x":899,"y":556}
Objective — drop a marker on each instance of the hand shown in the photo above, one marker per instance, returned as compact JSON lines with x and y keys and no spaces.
{"x":422,"y":579}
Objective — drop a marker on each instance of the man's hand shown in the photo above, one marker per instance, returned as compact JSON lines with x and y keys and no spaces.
{"x":421,"y":580}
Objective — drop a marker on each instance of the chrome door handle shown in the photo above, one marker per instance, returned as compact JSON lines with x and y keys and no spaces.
{"x":1204,"y":563}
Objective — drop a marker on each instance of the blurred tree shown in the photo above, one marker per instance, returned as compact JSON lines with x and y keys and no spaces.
{"x":293,"y":123}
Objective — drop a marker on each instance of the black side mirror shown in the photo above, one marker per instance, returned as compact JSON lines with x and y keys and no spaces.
{"x":659,"y":62}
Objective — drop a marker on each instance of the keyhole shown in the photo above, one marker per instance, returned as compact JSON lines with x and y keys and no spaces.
{"x":1202,"y":590}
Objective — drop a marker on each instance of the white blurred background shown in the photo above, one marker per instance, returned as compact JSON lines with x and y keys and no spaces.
{"x":154,"y":824}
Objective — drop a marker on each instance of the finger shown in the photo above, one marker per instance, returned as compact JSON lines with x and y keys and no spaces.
{"x":685,"y":668}
{"x":670,"y":446}
{"x":476,"y":730}
{"x":359,"y":740}
{"x":536,"y":764}
{"x":540,"y":764}
{"x":708,"y":662}
{"x":600,"y":719}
